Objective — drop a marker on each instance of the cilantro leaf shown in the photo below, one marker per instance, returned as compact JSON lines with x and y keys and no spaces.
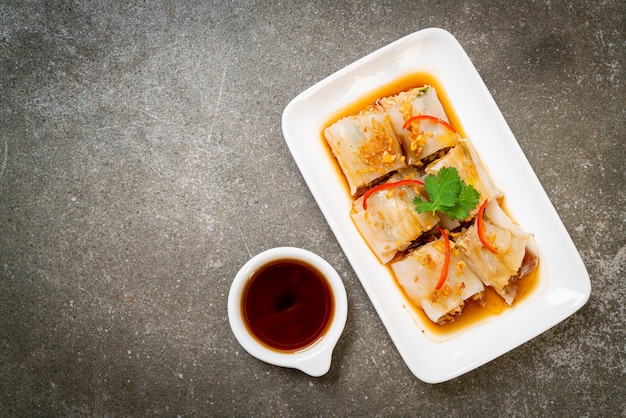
{"x":449,"y":186}
{"x":423,"y":206}
{"x":468,"y":199}
{"x":449,"y":194}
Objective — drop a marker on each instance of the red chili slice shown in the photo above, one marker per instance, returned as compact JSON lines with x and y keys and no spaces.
{"x":446,"y":263}
{"x":481,"y":228}
{"x":388,"y":186}
{"x":432,"y":119}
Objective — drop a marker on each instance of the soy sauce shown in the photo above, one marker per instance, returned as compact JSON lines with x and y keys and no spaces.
{"x":287,"y":305}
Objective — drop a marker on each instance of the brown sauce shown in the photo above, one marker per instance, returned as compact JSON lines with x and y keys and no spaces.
{"x":287,"y":305}
{"x":473,"y":312}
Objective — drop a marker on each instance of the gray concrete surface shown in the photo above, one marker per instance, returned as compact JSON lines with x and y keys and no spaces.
{"x":142,"y":163}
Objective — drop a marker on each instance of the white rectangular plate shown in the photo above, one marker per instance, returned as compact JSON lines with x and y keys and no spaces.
{"x":564,"y":285}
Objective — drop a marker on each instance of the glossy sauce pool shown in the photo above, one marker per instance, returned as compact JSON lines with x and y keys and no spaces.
{"x":473,"y":313}
{"x":287,"y":305}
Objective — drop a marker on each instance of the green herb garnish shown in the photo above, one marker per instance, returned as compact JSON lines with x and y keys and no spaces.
{"x":449,"y":194}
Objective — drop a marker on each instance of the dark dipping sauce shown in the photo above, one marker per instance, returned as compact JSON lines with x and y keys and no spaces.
{"x":287,"y":304}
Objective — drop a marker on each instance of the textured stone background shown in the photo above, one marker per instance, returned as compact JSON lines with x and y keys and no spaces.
{"x":142,"y":163}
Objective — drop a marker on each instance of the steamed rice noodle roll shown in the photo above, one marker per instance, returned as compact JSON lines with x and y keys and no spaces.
{"x":423,"y":137}
{"x":515,"y":256}
{"x":464,"y":158}
{"x":366,"y":148}
{"x":419,"y":272}
{"x":390,"y":222}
